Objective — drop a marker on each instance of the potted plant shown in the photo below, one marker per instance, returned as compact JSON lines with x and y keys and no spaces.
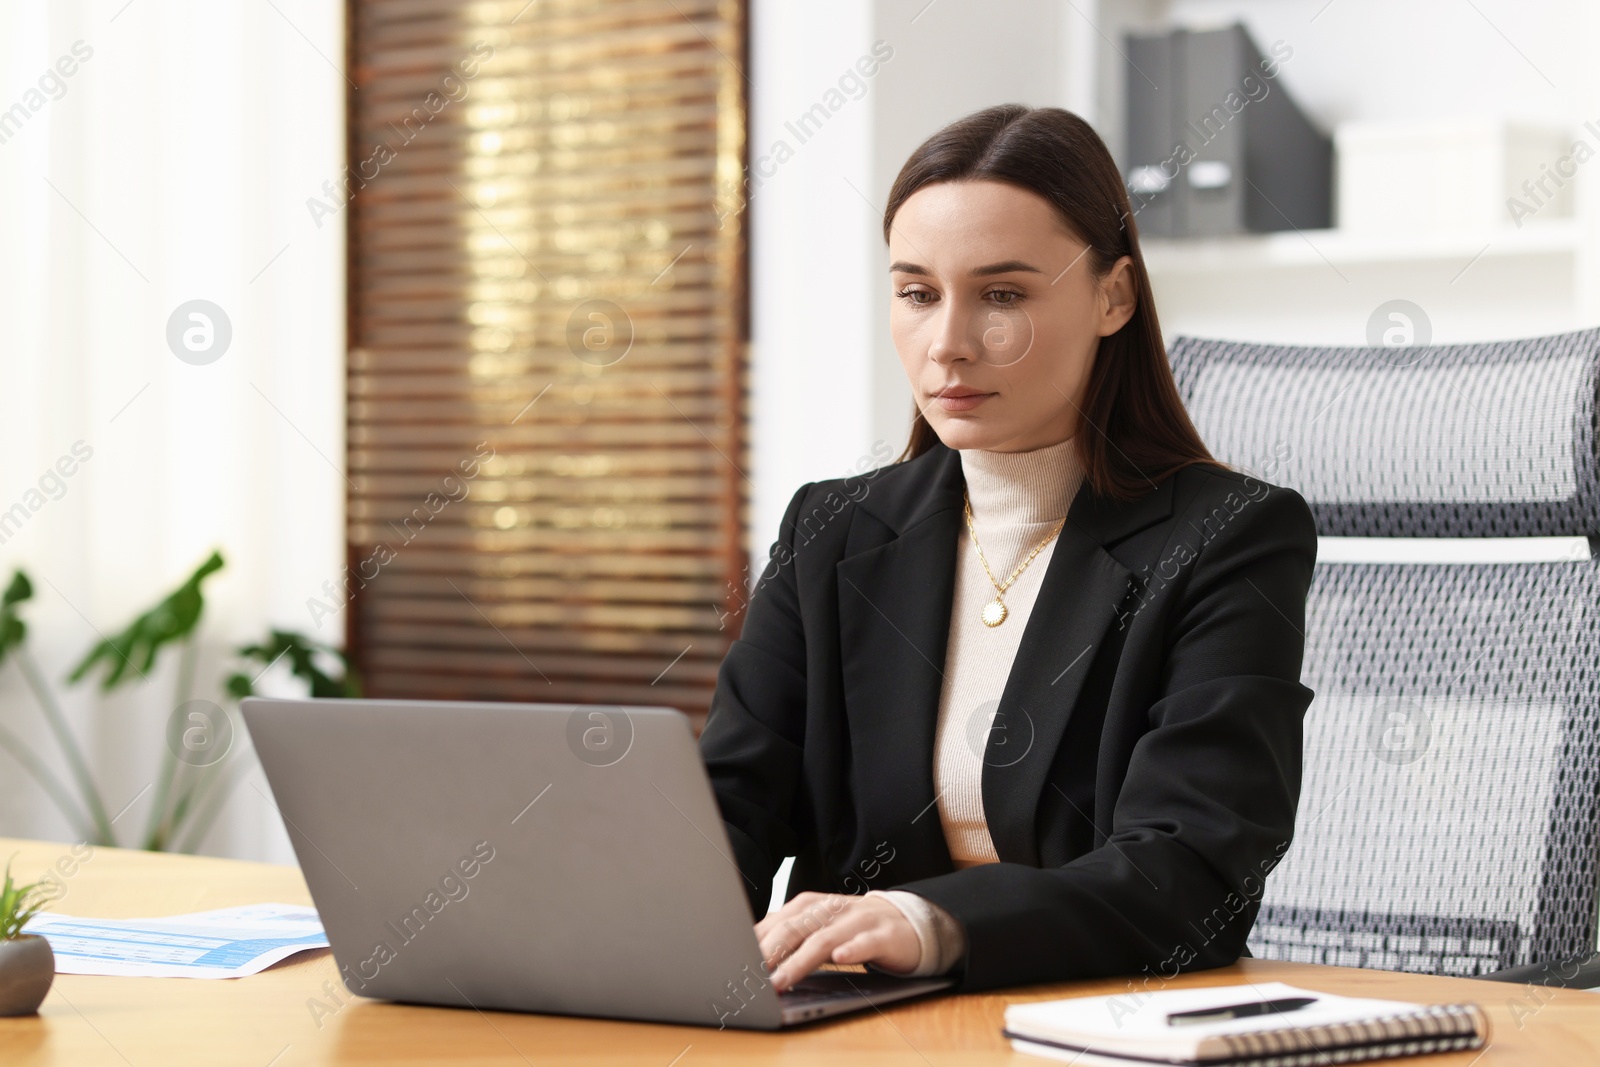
{"x":189,"y":793}
{"x":27,"y":966}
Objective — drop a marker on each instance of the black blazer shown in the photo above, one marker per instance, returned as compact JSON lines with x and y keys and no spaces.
{"x":1142,"y":773}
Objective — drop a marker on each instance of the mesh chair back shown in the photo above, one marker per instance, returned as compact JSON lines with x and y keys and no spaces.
{"x":1447,"y":822}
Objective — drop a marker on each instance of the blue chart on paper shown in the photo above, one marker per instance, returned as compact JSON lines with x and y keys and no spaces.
{"x":229,"y":943}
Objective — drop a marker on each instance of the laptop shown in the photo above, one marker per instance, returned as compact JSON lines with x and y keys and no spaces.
{"x":530,"y":857}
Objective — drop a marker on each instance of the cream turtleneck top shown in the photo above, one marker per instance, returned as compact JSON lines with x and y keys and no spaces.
{"x":1017,"y":499}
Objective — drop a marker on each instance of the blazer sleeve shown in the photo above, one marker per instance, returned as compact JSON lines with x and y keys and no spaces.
{"x":1207,"y":806}
{"x":753,"y":735}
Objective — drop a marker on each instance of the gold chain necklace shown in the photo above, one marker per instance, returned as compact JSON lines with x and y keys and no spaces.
{"x":994,"y":612}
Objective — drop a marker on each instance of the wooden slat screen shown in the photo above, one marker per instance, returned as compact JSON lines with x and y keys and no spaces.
{"x":547,"y":333}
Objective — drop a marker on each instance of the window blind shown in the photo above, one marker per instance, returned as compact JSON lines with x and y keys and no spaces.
{"x":546,"y":439}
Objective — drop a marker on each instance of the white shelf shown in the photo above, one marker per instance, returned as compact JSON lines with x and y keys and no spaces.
{"x":1556,"y":239}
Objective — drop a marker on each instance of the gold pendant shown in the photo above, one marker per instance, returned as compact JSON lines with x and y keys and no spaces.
{"x":994,"y":613}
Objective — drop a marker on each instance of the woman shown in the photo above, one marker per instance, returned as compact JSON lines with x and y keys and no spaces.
{"x":1040,"y":676}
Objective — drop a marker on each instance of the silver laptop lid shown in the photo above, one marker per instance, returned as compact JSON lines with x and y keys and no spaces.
{"x":525,"y":857}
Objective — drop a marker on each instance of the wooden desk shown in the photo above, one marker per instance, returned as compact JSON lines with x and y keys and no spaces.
{"x":269,"y":1020}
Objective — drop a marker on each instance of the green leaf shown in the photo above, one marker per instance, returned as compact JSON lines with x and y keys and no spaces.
{"x":301,"y":653}
{"x":136,"y":647}
{"x":18,"y":904}
{"x":19,"y":590}
{"x":13,"y":631}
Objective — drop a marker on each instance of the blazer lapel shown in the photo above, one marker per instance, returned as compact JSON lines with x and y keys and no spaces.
{"x":1083,"y":590}
{"x":895,"y":589}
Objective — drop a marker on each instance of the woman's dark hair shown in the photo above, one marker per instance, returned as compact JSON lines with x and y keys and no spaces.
{"x":1135,"y":430}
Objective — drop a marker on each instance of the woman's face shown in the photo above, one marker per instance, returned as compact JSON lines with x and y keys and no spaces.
{"x":996,"y":314}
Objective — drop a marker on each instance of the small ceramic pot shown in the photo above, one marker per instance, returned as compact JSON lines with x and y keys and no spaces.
{"x":27,"y":967}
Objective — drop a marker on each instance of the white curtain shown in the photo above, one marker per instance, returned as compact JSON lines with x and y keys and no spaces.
{"x":154,"y":153}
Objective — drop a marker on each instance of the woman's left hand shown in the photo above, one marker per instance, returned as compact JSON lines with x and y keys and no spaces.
{"x":817,"y":928}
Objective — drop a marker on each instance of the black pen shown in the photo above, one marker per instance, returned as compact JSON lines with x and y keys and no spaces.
{"x":1239,"y":1011}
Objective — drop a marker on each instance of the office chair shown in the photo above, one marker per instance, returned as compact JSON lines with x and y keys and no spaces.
{"x":1447,"y":822}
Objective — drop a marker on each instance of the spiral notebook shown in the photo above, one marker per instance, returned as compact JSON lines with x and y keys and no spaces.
{"x":1267,"y":1024}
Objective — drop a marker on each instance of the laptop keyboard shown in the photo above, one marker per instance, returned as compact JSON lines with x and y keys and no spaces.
{"x":815,"y":989}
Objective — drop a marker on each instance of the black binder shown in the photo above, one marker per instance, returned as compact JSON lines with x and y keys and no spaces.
{"x":1215,"y":146}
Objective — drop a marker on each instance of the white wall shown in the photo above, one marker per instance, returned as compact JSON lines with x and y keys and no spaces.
{"x":175,"y":165}
{"x":811,"y":394}
{"x":1359,"y":59}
